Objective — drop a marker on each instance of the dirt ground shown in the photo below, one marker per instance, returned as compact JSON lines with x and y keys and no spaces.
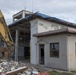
{"x":42,"y":69}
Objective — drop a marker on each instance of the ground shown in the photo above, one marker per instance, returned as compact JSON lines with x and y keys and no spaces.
{"x":43,"y":69}
{"x":57,"y":73}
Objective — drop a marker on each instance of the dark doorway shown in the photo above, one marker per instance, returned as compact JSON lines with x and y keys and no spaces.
{"x":41,"y":50}
{"x":27,"y":53}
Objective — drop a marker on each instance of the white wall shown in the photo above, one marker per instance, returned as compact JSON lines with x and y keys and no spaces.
{"x":34,"y":30}
{"x":38,"y":26}
{"x":71,"y":52}
{"x":44,"y":26}
{"x":67,"y":51}
{"x":61,"y":62}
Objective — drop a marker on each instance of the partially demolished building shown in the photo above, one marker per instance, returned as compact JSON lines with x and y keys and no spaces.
{"x":44,"y":40}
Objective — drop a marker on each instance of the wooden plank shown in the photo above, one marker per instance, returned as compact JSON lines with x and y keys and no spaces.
{"x":16,"y":71}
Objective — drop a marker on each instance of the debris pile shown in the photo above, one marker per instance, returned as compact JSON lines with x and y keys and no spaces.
{"x":16,"y":68}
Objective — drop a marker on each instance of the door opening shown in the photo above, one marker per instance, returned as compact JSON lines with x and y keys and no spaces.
{"x":27,"y":54}
{"x":41,"y":56}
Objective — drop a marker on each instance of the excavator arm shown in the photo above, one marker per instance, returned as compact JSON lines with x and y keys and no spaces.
{"x":6,"y":37}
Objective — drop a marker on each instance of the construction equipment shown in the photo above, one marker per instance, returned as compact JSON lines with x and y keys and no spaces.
{"x":6,"y":37}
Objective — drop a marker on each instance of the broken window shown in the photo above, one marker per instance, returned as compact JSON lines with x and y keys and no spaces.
{"x":54,"y":49}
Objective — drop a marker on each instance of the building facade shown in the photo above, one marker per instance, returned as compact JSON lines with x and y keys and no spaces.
{"x":53,"y":46}
{"x":52,"y":41}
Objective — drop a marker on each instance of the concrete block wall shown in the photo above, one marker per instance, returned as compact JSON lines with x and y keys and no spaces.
{"x":61,"y":62}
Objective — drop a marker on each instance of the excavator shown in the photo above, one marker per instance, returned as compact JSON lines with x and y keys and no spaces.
{"x":5,"y":36}
{"x":7,"y":50}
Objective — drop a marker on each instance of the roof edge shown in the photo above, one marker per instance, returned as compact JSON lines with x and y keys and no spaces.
{"x":48,"y":33}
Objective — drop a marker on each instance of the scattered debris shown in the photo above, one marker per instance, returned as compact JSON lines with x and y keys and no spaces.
{"x":44,"y":73}
{"x":20,"y":68}
{"x":16,"y":68}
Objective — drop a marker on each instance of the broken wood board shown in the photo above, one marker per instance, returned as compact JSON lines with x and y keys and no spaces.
{"x":19,"y":70}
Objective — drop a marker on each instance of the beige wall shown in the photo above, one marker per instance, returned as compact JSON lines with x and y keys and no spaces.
{"x":61,"y":62}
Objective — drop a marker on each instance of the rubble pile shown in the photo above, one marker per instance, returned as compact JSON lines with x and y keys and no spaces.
{"x":16,"y":68}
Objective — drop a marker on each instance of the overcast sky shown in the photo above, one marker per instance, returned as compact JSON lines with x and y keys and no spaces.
{"x":63,"y":9}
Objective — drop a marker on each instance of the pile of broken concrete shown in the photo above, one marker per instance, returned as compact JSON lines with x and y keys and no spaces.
{"x":16,"y":68}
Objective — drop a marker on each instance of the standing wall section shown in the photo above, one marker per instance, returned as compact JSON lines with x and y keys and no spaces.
{"x":34,"y":30}
{"x":61,"y":62}
{"x":71,"y":51}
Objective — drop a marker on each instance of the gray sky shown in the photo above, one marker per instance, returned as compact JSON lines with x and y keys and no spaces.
{"x":63,"y":9}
